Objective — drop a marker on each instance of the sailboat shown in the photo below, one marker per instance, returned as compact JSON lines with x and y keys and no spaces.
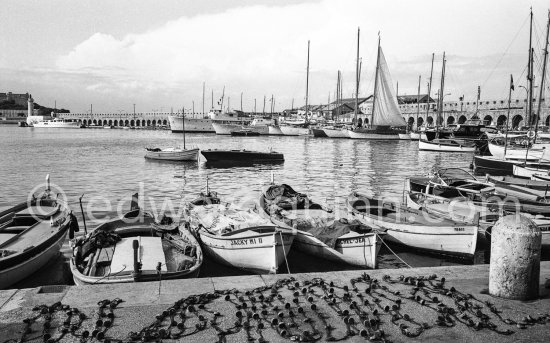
{"x":385,"y":110}
{"x":504,"y":156}
{"x":174,"y":154}
{"x":299,"y":127}
{"x":445,"y":144}
{"x":337,"y":130}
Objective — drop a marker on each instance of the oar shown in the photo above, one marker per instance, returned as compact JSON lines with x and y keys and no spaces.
{"x":83,"y":216}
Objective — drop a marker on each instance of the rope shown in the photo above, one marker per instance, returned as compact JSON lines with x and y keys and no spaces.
{"x":387,"y":246}
{"x":284,"y":251}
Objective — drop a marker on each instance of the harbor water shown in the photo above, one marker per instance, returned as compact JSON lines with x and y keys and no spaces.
{"x":108,"y":166}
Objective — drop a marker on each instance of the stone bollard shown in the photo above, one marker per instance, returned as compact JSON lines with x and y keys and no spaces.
{"x":515,"y":258}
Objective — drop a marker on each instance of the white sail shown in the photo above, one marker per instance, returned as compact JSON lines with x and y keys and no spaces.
{"x":386,"y":109}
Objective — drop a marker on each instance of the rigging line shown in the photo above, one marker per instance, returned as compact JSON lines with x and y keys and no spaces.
{"x":405,"y":263}
{"x":505,"y":52}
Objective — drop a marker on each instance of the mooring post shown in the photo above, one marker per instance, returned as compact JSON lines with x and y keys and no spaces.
{"x":515,"y":258}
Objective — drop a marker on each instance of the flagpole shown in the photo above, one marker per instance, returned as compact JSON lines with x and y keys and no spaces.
{"x":508,"y":116}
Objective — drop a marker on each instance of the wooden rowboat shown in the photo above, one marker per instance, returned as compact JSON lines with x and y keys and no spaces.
{"x":172,"y":154}
{"x":31,"y":234}
{"x":319,"y":232}
{"x":134,"y":248}
{"x":240,"y":238}
{"x":413,"y":228}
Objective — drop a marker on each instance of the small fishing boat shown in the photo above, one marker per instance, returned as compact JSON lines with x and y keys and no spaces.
{"x":172,"y":154}
{"x":135,"y":248}
{"x":447,"y":145}
{"x":319,"y":232}
{"x":31,"y":234}
{"x":415,"y":228}
{"x":245,"y":132}
{"x":240,"y":238}
{"x":502,"y":167}
{"x":528,"y":172}
{"x":533,"y":183}
{"x":242,"y":156}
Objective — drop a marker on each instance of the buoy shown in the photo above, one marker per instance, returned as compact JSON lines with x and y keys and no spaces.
{"x":514,"y":269}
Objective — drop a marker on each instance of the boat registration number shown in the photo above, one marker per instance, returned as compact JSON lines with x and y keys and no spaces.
{"x":246,"y":241}
{"x":352,"y":241}
{"x":459,"y":229}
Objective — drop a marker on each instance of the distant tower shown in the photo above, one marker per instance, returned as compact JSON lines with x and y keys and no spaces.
{"x":30,"y":106}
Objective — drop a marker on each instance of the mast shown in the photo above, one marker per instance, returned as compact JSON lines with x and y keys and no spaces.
{"x":223,"y":94}
{"x":357,"y":78}
{"x":418,"y":101}
{"x":337,"y":96}
{"x":441,"y":92}
{"x":307,"y":79}
{"x":430,"y":87}
{"x":241,"y":101}
{"x":203,"y":98}
{"x":508,"y":116}
{"x":375,"y":80}
{"x":530,"y":72}
{"x":541,"y":88}
{"x":183,"y":126}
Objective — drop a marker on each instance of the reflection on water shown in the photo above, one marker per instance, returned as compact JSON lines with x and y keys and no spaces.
{"x":110,"y":164}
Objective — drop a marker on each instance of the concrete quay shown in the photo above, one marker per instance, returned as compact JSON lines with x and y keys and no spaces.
{"x":393,"y":308}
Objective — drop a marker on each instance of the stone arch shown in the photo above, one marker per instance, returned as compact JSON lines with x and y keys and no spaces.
{"x":430,"y":121}
{"x":154,"y":122}
{"x":148,"y":122}
{"x":440,"y":120}
{"x":132,"y":123}
{"x":488,"y":120}
{"x":517,"y":120}
{"x":94,"y":121}
{"x":501,"y":120}
{"x":366,"y":121}
{"x":410,"y":122}
{"x":139,"y":122}
{"x":547,"y":121}
{"x":462,"y":119}
{"x":165,"y":122}
{"x":110,"y":122}
{"x":420,"y":122}
{"x":126,"y":123}
{"x":360,"y":122}
{"x":450,"y":120}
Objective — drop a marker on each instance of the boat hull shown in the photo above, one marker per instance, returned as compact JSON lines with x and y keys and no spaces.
{"x":274,"y":130}
{"x":53,"y":125}
{"x":457,"y":239}
{"x":225,"y":129}
{"x":499,"y":167}
{"x":21,"y":271}
{"x":372,"y":135}
{"x":436,"y":145}
{"x":355,"y":249}
{"x":191,"y":124}
{"x":186,"y":155}
{"x":317,"y":132}
{"x":241,"y":155}
{"x":336,"y":133}
{"x":415,"y":136}
{"x":405,"y":136}
{"x":294,"y":130}
{"x":258,"y":253}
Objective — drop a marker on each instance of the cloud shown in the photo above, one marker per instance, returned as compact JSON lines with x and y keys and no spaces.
{"x":261,"y":50}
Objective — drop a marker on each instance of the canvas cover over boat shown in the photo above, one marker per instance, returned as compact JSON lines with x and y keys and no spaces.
{"x":309,"y":216}
{"x":222,"y":218}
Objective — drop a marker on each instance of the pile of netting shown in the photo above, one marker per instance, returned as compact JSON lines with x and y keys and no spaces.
{"x":306,"y":311}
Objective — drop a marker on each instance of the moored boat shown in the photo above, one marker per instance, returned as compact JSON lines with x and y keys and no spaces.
{"x":336,"y":132}
{"x":245,"y":133}
{"x":172,"y":154}
{"x":274,"y":130}
{"x":31,"y":234}
{"x":242,"y":156}
{"x":134,"y":248}
{"x":405,"y":136}
{"x":414,"y":228}
{"x":57,"y":123}
{"x":318,"y":132}
{"x":240,"y":238}
{"x":320,"y":233}
{"x":446,"y":145}
{"x":295,"y":130}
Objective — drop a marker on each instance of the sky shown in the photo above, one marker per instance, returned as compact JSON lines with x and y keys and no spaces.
{"x":158,"y":54}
